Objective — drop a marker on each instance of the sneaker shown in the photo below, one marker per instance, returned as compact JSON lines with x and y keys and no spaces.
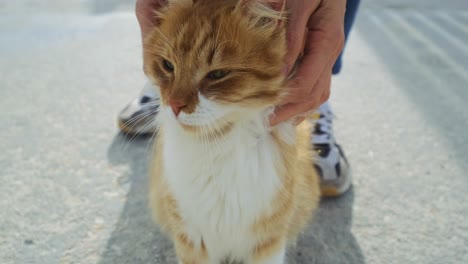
{"x":138,"y":116}
{"x":330,"y":162}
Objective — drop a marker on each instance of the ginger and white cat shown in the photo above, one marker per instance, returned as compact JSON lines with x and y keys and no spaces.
{"x":225,"y":186}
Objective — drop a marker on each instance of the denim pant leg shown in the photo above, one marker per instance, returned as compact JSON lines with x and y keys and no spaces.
{"x":351,"y":10}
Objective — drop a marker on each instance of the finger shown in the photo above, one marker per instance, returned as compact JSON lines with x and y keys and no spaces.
{"x":324,"y":88}
{"x":296,"y":28}
{"x":314,"y":66}
{"x":298,"y":120}
{"x":321,"y":91}
{"x":325,"y":96}
{"x":319,"y":94}
{"x":285,"y":112}
{"x":324,"y":42}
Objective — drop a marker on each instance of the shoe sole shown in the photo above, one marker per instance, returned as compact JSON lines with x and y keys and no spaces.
{"x":129,"y":131}
{"x":334,"y":191}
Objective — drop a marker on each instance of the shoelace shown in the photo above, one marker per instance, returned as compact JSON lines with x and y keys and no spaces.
{"x":323,"y":130}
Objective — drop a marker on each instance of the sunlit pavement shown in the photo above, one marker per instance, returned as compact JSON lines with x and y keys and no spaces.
{"x":73,"y":189}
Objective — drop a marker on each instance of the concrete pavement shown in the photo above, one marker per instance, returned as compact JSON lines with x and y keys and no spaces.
{"x":73,"y":189}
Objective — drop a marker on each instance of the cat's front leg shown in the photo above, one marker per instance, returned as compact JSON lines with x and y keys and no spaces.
{"x":270,"y":252}
{"x":188,"y":252}
{"x":188,"y":257}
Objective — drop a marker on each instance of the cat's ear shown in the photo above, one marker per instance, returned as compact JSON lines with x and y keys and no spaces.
{"x":160,"y":8}
{"x":181,"y":2}
{"x":264,"y":13}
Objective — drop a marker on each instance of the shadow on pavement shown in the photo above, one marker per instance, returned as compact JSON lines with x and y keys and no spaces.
{"x":136,"y":239}
{"x":427,"y":67}
{"x":329,"y":239}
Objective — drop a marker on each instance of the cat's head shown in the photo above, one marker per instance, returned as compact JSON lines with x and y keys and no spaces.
{"x":217,"y":62}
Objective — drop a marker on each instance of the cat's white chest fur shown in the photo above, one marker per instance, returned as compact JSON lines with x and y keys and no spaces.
{"x":222,"y":187}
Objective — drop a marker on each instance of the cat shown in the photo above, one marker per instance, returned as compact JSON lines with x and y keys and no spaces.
{"x":224,"y":185}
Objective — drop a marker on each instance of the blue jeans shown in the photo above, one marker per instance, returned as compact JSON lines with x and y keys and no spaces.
{"x":351,"y":10}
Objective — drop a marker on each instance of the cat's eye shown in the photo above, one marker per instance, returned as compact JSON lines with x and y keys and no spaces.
{"x":216,"y":75}
{"x":168,"y":66}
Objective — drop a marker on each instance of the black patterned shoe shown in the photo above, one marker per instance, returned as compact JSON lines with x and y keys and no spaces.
{"x":330,"y":162}
{"x":138,"y":117}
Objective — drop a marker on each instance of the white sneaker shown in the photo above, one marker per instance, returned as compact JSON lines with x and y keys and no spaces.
{"x":330,"y":162}
{"x":138,"y":116}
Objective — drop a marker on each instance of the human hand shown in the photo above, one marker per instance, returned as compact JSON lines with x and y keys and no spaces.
{"x":316,"y":28}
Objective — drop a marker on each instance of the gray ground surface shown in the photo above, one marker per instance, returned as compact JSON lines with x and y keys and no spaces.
{"x":73,"y":189}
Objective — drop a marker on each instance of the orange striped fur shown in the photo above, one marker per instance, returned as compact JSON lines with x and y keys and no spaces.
{"x":247,"y":40}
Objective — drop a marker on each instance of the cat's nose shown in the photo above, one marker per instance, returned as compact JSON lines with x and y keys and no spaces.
{"x":176,"y":106}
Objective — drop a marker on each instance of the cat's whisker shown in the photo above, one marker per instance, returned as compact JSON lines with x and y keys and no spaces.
{"x":212,"y":138}
{"x":205,"y":146}
{"x":206,"y":141}
{"x":137,"y":118}
{"x":151,"y":142}
{"x":213,"y":149}
{"x":218,"y":139}
{"x":216,"y":135}
{"x":143,"y":128}
{"x":139,"y":131}
{"x":228,"y":124}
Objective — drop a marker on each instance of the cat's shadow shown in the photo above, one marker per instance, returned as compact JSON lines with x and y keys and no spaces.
{"x":329,"y":239}
{"x":135,"y":239}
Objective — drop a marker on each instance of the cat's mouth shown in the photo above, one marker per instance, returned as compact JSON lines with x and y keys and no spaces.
{"x":215,"y":130}
{"x":204,"y":123}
